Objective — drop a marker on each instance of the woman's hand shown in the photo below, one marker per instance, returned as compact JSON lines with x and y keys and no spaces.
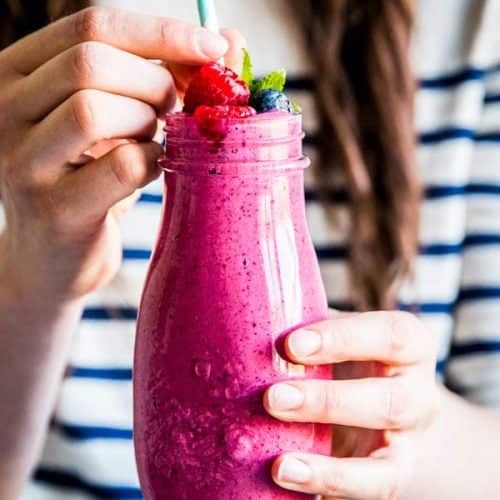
{"x":383,"y":397}
{"x":79,"y":102}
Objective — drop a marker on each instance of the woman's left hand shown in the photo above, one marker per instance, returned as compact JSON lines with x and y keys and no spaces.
{"x":382,"y":399}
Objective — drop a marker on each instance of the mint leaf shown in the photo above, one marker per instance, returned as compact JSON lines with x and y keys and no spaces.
{"x":247,"y":72}
{"x":275,"y":81}
{"x":297,"y":108}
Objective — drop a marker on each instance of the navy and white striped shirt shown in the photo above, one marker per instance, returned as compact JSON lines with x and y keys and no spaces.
{"x":89,"y":453}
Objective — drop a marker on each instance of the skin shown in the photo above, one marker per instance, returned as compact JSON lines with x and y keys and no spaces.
{"x":397,"y":435}
{"x":79,"y":102}
{"x":382,"y":399}
{"x":73,"y":155}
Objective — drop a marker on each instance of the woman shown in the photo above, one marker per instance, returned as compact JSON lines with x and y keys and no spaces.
{"x":75,"y":93}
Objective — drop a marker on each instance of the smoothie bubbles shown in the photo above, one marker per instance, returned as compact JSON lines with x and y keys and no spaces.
{"x":234,"y":270}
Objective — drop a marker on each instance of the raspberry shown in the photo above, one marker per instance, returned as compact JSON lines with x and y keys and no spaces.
{"x":211,"y":119}
{"x":220,"y":112}
{"x":215,"y":85}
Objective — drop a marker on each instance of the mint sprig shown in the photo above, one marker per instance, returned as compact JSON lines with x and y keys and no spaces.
{"x":247,"y":74}
{"x":275,"y":80}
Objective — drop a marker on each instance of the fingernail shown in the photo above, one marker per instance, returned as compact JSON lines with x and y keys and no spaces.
{"x":293,"y":470}
{"x":283,"y":397}
{"x":303,"y":343}
{"x":211,"y":44}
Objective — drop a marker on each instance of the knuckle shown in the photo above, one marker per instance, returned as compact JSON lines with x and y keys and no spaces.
{"x":345,"y":339}
{"x":409,"y":340}
{"x":83,"y":109}
{"x":122,"y":166}
{"x":400,"y":333}
{"x":85,"y":62}
{"x":170,"y":32}
{"x":335,"y":482}
{"x":91,"y":23}
{"x":395,"y":413}
{"x":331,"y":400}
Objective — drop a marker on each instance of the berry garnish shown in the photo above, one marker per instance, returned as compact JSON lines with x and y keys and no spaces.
{"x":211,"y":119}
{"x":270,"y":100}
{"x":215,"y":85}
{"x":216,"y":94}
{"x":267,"y":92}
{"x":218,"y":112}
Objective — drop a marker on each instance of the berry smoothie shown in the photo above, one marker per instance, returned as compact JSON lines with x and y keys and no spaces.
{"x":234,"y":269}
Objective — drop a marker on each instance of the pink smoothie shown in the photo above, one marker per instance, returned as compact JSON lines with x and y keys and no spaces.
{"x":234,"y":269}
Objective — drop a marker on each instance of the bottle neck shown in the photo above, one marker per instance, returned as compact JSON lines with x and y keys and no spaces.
{"x":221,"y":211}
{"x":235,"y":212}
{"x":264,"y":144}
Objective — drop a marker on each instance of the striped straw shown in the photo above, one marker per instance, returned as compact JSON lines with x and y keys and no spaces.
{"x":208,"y":16}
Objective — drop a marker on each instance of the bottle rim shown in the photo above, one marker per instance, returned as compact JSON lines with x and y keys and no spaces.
{"x":264,"y":142}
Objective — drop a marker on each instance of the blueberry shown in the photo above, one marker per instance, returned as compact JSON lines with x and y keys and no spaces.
{"x":270,"y":100}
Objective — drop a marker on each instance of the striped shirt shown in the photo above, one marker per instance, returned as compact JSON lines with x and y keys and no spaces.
{"x":89,"y":452}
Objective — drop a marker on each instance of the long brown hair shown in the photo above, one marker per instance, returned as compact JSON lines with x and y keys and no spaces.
{"x":364,"y":96}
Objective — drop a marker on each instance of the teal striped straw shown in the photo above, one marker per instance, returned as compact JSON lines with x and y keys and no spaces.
{"x":208,"y":16}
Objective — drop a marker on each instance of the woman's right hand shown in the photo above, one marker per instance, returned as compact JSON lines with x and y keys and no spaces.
{"x":77,"y":84}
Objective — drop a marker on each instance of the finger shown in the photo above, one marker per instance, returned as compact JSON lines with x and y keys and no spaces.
{"x":234,"y":56}
{"x":233,"y":59}
{"x":89,"y":192}
{"x":353,"y":478}
{"x":146,"y":36}
{"x":393,"y":403}
{"x":395,"y":338}
{"x":86,"y":118}
{"x":93,"y":65}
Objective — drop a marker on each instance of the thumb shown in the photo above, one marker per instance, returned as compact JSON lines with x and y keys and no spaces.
{"x":95,"y":188}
